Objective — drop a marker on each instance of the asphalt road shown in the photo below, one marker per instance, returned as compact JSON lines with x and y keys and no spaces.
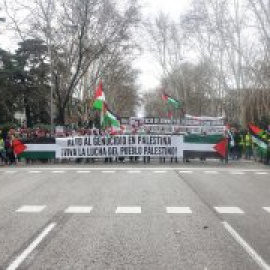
{"x":133,"y":216}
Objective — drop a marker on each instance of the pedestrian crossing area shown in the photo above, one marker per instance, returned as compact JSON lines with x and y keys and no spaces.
{"x":135,"y":209}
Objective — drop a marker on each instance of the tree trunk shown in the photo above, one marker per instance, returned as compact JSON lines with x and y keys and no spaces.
{"x":29,"y":121}
{"x":61,"y":115}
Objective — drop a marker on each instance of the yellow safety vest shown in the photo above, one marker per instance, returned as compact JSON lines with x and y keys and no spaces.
{"x":241,"y":140}
{"x":1,"y":144}
{"x":248,"y":140}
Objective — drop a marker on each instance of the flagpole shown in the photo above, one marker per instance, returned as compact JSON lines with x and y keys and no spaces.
{"x":99,"y":76}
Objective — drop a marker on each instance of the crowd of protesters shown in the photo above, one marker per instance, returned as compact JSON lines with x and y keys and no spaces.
{"x":7,"y":154}
{"x":240,"y":144}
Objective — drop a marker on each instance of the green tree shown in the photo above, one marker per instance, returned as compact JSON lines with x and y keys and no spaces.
{"x":31,"y":78}
{"x":8,"y":95}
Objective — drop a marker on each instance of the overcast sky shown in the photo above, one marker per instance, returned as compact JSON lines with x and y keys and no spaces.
{"x":150,"y":73}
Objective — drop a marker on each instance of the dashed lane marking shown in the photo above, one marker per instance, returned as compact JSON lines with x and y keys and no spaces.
{"x":252,"y":253}
{"x":31,"y":209}
{"x":79,"y":210}
{"x":211,"y":172}
{"x":35,"y":172}
{"x":159,"y":171}
{"x":58,"y":172}
{"x":186,"y":172}
{"x":229,"y":210}
{"x":261,"y":173}
{"x":178,"y":210}
{"x":237,"y":172}
{"x":10,"y":172}
{"x":134,"y":171}
{"x":83,"y":172}
{"x":17,"y":262}
{"x":267,"y":209}
{"x":133,"y":209}
{"x":128,"y":210}
{"x":108,"y":171}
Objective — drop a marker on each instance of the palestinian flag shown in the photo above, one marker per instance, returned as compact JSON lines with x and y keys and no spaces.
{"x":18,"y":147}
{"x":110,"y":120}
{"x":201,"y":146}
{"x":99,"y":98}
{"x":171,"y":101}
{"x":38,"y":148}
{"x":257,"y":135}
{"x":221,"y":147}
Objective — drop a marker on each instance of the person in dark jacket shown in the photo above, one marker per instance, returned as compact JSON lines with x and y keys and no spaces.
{"x":9,"y":151}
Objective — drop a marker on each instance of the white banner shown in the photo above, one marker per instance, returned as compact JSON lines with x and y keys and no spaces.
{"x":120,"y":146}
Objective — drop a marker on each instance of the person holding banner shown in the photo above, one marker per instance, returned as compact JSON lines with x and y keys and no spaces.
{"x":146,"y":159}
{"x":9,"y":150}
{"x":105,"y":135}
{"x":174,"y":159}
{"x":162,"y":158}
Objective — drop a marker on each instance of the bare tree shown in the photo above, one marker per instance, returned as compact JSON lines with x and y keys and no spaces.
{"x":79,"y":33}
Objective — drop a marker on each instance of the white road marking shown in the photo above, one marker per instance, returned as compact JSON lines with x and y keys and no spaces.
{"x":187,"y":172}
{"x":229,"y":210}
{"x":267,"y":209}
{"x":58,"y":171}
{"x":225,"y":169}
{"x":83,"y":172}
{"x":211,"y":172}
{"x":134,"y":171}
{"x":108,"y":171}
{"x":237,"y":172}
{"x":129,"y":210}
{"x":15,"y":264}
{"x":10,"y":172}
{"x":178,"y":210}
{"x":79,"y":210}
{"x":159,"y":171}
{"x":253,"y":254}
{"x":31,"y":209}
{"x":35,"y":172}
{"x":261,"y":173}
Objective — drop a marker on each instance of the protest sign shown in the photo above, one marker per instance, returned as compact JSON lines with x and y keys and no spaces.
{"x":119,"y":146}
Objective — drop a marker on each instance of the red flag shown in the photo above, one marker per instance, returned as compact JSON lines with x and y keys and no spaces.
{"x":99,"y":91}
{"x":165,"y":97}
{"x":221,"y":147}
{"x":254,"y":129}
{"x":18,"y":147}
